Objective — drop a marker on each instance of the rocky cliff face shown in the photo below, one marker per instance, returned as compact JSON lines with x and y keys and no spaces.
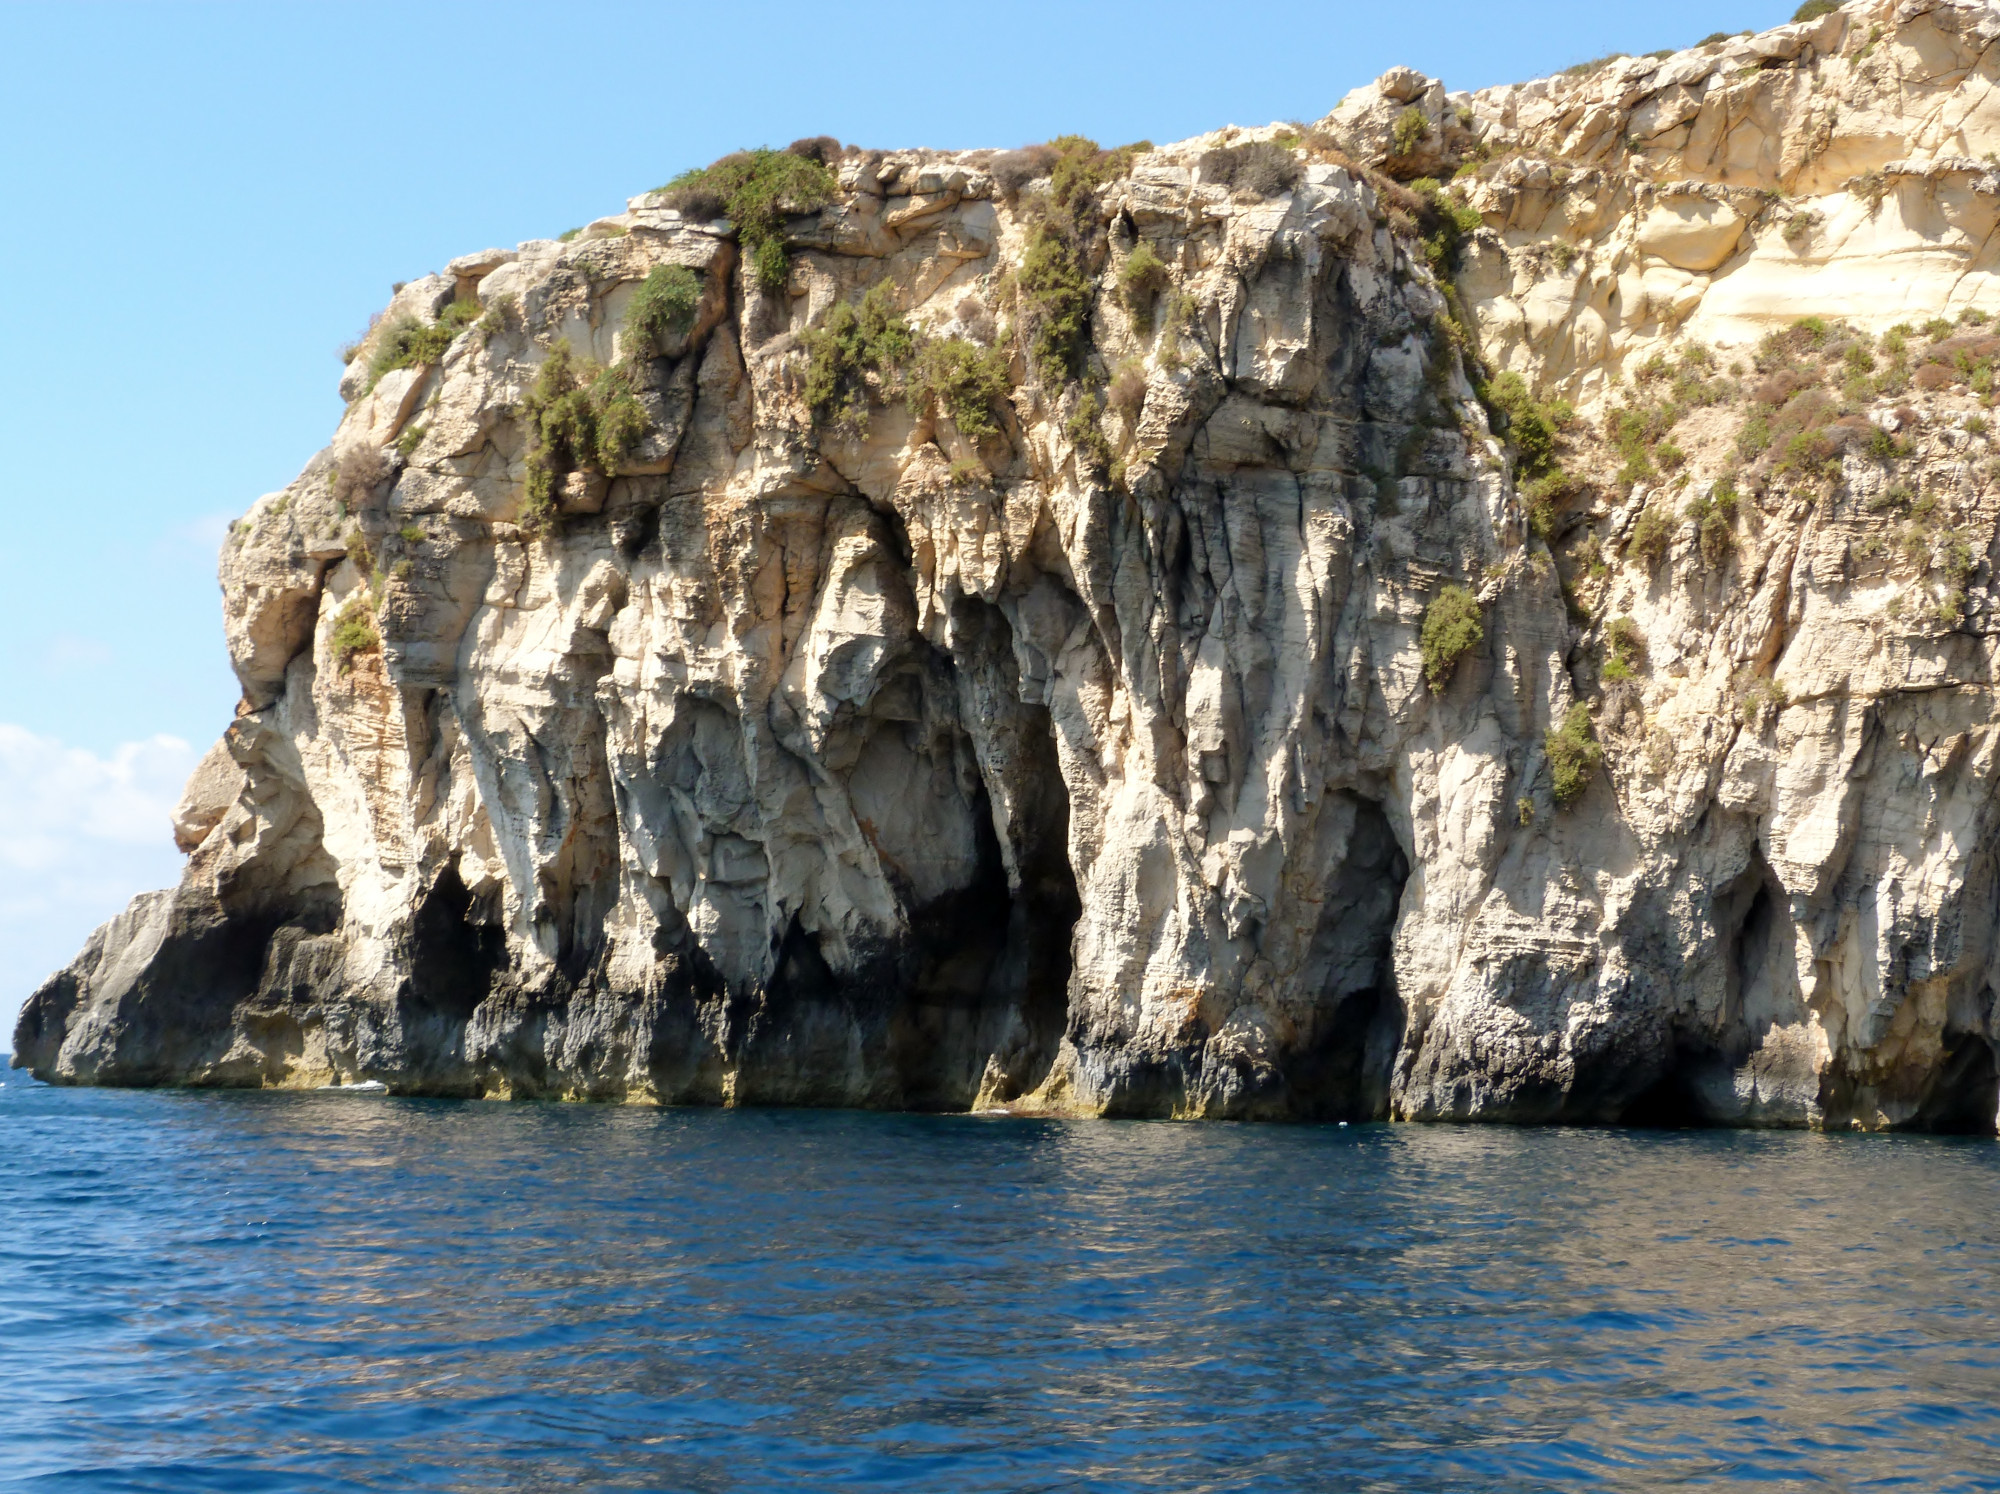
{"x":1234,"y":629}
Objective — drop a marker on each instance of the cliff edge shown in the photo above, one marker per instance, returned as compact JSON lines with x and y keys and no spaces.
{"x":1479,"y":607}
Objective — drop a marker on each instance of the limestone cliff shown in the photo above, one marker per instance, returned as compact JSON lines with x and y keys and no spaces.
{"x":1392,"y":617}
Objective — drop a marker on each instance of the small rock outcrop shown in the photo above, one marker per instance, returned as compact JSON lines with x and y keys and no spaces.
{"x":1476,"y":608}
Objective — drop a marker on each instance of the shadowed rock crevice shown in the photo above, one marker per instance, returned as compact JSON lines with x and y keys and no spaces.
{"x":1348,"y":1048}
{"x":1330,"y":1053}
{"x":968,"y":1000}
{"x":1681,"y":1094}
{"x":1733,"y":1050}
{"x":456,"y":950}
{"x":1964,"y":1098}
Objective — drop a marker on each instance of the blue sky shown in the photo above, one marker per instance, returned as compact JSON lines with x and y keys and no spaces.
{"x":204,"y":201}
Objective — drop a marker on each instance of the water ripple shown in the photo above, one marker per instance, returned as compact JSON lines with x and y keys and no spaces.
{"x":336,"y":1292}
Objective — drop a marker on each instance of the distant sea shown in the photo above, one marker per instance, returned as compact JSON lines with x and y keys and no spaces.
{"x":211,"y":1291}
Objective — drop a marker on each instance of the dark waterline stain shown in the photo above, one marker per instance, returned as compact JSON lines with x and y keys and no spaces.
{"x":210,"y":1291}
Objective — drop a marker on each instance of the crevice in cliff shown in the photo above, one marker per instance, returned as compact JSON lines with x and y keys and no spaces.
{"x":1752,"y":989}
{"x":1347,"y":1054}
{"x":960,"y":943}
{"x":1761,"y":983}
{"x":1964,"y":1097}
{"x":957,"y":790}
{"x":456,"y":949}
{"x":1674,"y":1100}
{"x":998,"y":956}
{"x":973,"y":996}
{"x":1023,"y":814}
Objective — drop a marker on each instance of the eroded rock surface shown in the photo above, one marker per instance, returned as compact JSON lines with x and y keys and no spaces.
{"x":1089,"y":765}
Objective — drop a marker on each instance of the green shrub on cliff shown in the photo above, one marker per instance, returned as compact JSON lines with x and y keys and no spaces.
{"x":1445,"y":224}
{"x":1652,"y":535}
{"x":663,"y":305}
{"x":858,"y":338}
{"x":1573,"y":753}
{"x":1545,"y":497}
{"x":1054,"y":301}
{"x":1053,"y":287}
{"x":1086,"y":433}
{"x":1451,"y":629}
{"x":755,"y":190}
{"x":354,"y":632}
{"x":1639,"y":432}
{"x":1530,"y":424}
{"x":1408,"y":132}
{"x":504,"y":315}
{"x":1754,"y":435}
{"x":965,"y":379}
{"x":1624,"y":648}
{"x":1141,"y":276}
{"x":409,"y":343}
{"x":1761,"y":698}
{"x":1715,"y":514}
{"x":578,"y":415}
{"x":865,"y":351}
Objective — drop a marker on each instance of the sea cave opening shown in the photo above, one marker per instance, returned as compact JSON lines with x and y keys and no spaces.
{"x":1343,"y":1066}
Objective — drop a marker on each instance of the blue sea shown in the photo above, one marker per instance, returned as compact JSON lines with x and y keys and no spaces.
{"x":212,"y":1291}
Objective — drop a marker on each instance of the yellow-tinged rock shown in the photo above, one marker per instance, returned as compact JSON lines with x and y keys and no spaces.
{"x":1691,"y":233}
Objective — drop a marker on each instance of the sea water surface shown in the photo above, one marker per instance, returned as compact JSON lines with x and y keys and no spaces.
{"x":203,"y":1291}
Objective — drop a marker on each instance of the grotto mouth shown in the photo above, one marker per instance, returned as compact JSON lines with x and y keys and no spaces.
{"x":1337,"y":1060}
{"x":1343,"y":1068}
{"x":1704,"y":1076}
{"x":1963,"y":1099}
{"x":970,"y":1001}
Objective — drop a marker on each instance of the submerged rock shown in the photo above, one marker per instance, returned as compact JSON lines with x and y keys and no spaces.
{"x":1039,"y":711}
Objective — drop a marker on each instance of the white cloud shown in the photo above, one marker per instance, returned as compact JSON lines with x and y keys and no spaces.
{"x":80,"y":835}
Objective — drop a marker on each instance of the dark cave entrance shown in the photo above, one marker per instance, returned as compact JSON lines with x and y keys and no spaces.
{"x":1672,"y":1102}
{"x":1965,"y":1095}
{"x":455,"y":951}
{"x":983,"y":976}
{"x":1694,"y":1084}
{"x":993,"y":965}
{"x":1343,"y":1066}
{"x":974,"y":994}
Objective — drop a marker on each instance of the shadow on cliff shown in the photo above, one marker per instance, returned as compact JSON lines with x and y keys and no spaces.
{"x":1334,"y":1056}
{"x":1746,"y":1058}
{"x":971,"y":999}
